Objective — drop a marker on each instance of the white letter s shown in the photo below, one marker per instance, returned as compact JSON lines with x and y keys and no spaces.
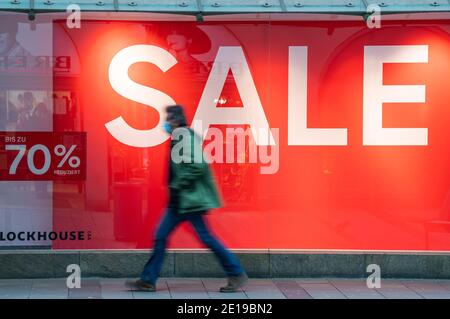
{"x":122,"y":84}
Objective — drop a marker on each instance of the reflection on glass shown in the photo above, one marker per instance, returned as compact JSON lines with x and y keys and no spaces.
{"x":322,"y":197}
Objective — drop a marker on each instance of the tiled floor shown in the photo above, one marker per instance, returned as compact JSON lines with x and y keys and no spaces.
{"x":205,"y":288}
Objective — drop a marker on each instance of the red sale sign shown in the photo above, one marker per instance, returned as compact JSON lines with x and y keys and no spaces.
{"x":348,"y":126}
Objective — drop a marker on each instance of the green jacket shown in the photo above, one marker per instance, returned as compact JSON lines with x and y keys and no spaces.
{"x":192,"y":178}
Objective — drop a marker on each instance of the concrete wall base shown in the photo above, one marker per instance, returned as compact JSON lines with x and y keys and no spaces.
{"x":259,"y":264}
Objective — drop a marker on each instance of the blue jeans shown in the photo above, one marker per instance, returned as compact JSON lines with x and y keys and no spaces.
{"x":171,"y":219}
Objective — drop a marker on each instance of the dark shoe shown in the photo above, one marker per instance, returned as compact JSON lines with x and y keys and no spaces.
{"x":235,"y":282}
{"x":140,"y":285}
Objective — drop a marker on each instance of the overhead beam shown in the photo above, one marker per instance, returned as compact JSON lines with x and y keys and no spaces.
{"x":208,"y":7}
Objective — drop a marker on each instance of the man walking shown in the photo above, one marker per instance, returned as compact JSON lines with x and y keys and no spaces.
{"x":192,"y":193}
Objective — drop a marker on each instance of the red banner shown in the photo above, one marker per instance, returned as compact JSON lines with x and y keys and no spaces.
{"x":42,"y":156}
{"x":362,"y":156}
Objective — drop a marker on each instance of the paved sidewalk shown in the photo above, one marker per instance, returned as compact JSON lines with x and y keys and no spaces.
{"x":205,"y":288}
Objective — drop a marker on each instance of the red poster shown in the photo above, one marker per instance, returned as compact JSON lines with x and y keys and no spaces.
{"x":42,"y":156}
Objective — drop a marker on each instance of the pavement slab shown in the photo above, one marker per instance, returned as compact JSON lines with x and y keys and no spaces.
{"x":208,"y":288}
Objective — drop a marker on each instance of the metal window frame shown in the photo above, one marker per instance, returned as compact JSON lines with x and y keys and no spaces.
{"x":204,"y":8}
{"x":213,"y":7}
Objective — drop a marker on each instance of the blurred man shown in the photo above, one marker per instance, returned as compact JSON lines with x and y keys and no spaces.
{"x":192,"y":193}
{"x":26,"y":112}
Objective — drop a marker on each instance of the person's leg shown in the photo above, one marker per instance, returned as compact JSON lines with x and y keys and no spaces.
{"x":153,"y":266}
{"x":228,"y":260}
